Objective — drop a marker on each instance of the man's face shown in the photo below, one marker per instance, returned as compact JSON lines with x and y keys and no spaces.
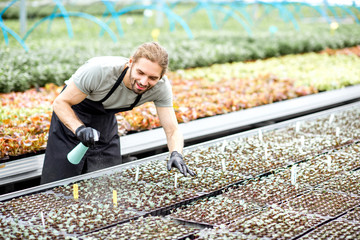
{"x":144,"y":74}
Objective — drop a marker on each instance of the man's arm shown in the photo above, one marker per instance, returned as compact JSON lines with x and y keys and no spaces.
{"x":174,"y":137}
{"x":62,"y":106}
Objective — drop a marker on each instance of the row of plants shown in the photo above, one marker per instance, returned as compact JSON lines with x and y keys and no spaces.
{"x":41,"y":10}
{"x":54,"y":58}
{"x":25,"y":120}
{"x":38,"y":9}
{"x":269,"y":204}
{"x":323,"y":71}
{"x":198,"y":93}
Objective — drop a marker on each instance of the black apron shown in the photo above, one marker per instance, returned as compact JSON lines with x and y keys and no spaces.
{"x":61,"y":141}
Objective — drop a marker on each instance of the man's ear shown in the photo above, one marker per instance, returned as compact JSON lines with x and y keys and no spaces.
{"x":130,"y":61}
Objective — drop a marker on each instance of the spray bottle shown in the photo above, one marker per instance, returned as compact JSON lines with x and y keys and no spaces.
{"x":75,"y":155}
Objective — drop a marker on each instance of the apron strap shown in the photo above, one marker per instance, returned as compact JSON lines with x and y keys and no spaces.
{"x":118,"y":82}
{"x":132,"y":105}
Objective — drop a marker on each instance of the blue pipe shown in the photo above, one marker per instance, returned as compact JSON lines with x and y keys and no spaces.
{"x":17,"y":37}
{"x":75,"y":14}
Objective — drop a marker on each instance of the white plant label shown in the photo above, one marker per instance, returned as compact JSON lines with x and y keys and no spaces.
{"x":260,"y":135}
{"x":302,"y":140}
{"x":297,"y":127}
{"x":337,"y":131}
{"x":223,"y":165}
{"x":265,"y":153}
{"x":175,"y":181}
{"x":328,"y":161}
{"x":293,"y":175}
{"x":331,"y":119}
{"x":42,"y":219}
{"x":301,"y":151}
{"x":137,"y":174}
{"x":223,"y":147}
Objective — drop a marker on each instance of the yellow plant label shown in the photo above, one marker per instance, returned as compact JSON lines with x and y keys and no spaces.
{"x":155,"y":34}
{"x":76,"y":191}
{"x":115,"y":197}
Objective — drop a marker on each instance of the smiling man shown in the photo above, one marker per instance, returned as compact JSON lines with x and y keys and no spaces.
{"x":99,"y":89}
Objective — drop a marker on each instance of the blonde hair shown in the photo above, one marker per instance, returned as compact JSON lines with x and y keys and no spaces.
{"x":153,"y":52}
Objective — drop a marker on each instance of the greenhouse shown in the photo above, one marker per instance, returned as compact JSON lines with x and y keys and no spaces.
{"x":196,"y":119}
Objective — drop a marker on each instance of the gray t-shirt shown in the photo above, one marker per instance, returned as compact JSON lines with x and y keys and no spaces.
{"x":99,"y":74}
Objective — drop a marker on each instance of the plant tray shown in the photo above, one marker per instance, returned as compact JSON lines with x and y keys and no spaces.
{"x":21,"y":230}
{"x":146,"y":228}
{"x":335,"y":230}
{"x":326,"y":204}
{"x":207,"y":180}
{"x":227,"y":164}
{"x":347,"y":183}
{"x":221,"y":233}
{"x":215,"y":211}
{"x":311,"y":173}
{"x":353,"y":215}
{"x":275,"y":223}
{"x":265,"y":191}
{"x":64,"y":214}
{"x":155,"y":199}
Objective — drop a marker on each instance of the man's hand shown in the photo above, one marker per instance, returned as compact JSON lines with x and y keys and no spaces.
{"x":176,"y":160}
{"x":86,"y":136}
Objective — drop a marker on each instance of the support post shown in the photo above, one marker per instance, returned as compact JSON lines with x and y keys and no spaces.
{"x":23,"y":17}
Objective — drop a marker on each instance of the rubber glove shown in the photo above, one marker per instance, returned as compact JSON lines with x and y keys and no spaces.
{"x":86,"y":135}
{"x":176,"y":160}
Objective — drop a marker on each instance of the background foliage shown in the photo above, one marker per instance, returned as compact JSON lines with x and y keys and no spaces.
{"x":54,"y":56}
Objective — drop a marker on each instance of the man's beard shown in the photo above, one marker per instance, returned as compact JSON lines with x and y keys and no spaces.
{"x":133,"y":82}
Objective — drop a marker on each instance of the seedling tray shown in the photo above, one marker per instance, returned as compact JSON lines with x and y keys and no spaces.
{"x":112,"y":175}
{"x":147,"y":228}
{"x":64,"y":214}
{"x":334,"y":230}
{"x":326,"y":204}
{"x":275,"y":223}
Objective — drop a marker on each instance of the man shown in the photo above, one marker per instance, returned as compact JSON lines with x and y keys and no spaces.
{"x":98,"y":90}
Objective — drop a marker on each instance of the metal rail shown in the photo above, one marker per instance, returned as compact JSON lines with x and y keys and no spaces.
{"x":202,"y":129}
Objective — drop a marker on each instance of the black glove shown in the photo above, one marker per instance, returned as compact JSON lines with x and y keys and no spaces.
{"x":86,"y":135}
{"x":176,"y":160}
